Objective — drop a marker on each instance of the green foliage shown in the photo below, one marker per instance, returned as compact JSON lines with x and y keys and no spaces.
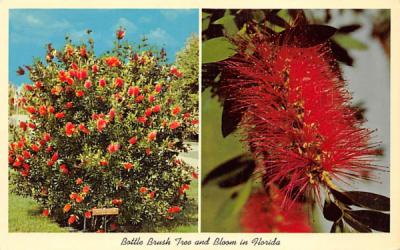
{"x":217,"y":49}
{"x":103,"y":132}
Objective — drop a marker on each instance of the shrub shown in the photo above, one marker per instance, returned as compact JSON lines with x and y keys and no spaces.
{"x":103,"y":131}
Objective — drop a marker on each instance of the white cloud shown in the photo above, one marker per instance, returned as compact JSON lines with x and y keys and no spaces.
{"x":173,"y":14}
{"x":144,"y":19}
{"x":125,"y":23}
{"x":161,"y":37}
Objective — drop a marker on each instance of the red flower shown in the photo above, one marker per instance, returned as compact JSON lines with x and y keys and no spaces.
{"x":195,"y":175}
{"x":148,"y":112}
{"x":183,"y":188}
{"x":60,"y":115}
{"x":38,"y":84}
{"x":111,"y":114}
{"x":142,"y":119}
{"x":72,"y":219}
{"x":88,"y":214}
{"x":143,"y":190}
{"x":103,"y":163}
{"x":174,"y":209}
{"x":30,"y":109}
{"x":28,"y":87}
{"x":102,"y":82}
{"x":79,"y":181}
{"x":50,"y":163}
{"x":263,"y":213}
{"x":128,"y":165}
{"x":22,"y":125}
{"x":49,"y":149}
{"x":298,"y":119}
{"x":45,"y":212}
{"x":26,"y":154}
{"x":116,"y":202}
{"x":112,"y":62}
{"x":35,"y":148}
{"x":113,"y":147}
{"x":151,"y":98}
{"x":64,"y":169}
{"x":82,"y":51}
{"x":133,"y":91}
{"x":88,"y":84}
{"x":174,"y":71}
{"x":101,"y":124}
{"x":176,"y":110}
{"x":139,"y":98}
{"x":152,"y":135}
{"x":174,"y":125}
{"x":79,"y":199}
{"x":95,"y":68}
{"x":148,"y":151}
{"x":50,"y":109}
{"x":55,"y":156}
{"x":82,"y":74}
{"x":62,"y":76}
{"x":119,"y":83}
{"x":32,"y":125}
{"x":151,"y":195}
{"x":133,"y":140}
{"x":83,"y":128}
{"x":69,"y":129}
{"x":120,"y":34}
{"x":67,"y":207}
{"x":42,"y":110}
{"x":158,"y":88}
{"x":46,"y":137}
{"x":156,"y":108}
{"x":79,"y":93}
{"x":73,"y":196}
{"x":194,"y":122}
{"x":86,"y":189}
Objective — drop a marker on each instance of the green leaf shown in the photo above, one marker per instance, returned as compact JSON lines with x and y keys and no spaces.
{"x":356,"y":224}
{"x":373,"y":219}
{"x":284,"y":14}
{"x":331,"y":211}
{"x":205,"y":23}
{"x":349,"y":42}
{"x":228,"y":21}
{"x":205,"y":15}
{"x":233,"y":206}
{"x":217,"y":49}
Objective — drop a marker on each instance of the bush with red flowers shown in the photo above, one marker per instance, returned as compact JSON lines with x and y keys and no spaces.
{"x":103,"y":132}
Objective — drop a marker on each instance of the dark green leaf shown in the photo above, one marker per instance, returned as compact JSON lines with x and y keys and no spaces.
{"x":356,"y":225}
{"x":240,"y":177}
{"x":337,"y":227}
{"x":217,"y":49}
{"x":373,"y":219}
{"x":369,"y":200}
{"x":238,"y":163}
{"x":341,"y":54}
{"x":304,"y":36}
{"x":230,"y":119}
{"x":349,"y":28}
{"x":331,"y":211}
{"x":348,"y":42}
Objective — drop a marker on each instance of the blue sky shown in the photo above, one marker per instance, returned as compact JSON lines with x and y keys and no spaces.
{"x":31,"y":29}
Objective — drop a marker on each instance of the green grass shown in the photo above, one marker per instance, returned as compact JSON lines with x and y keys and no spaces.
{"x":25,"y":216}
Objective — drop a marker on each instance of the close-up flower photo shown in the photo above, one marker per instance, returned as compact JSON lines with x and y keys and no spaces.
{"x":295,"y":120}
{"x":103,"y":120}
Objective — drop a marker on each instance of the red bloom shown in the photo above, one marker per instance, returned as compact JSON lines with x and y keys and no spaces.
{"x":102,"y":82}
{"x":32,"y":125}
{"x":116,"y":202}
{"x":22,"y":125}
{"x":73,"y":196}
{"x":119,"y":83}
{"x":151,"y":98}
{"x":101,"y":124}
{"x":111,"y":114}
{"x":82,"y":74}
{"x":112,"y":62}
{"x":49,"y":149}
{"x":120,"y":34}
{"x":60,"y":115}
{"x":194,"y":122}
{"x":174,"y":125}
{"x":128,"y":165}
{"x":83,"y":52}
{"x":67,"y":207}
{"x":142,"y":119}
{"x":95,"y":68}
{"x":79,"y":199}
{"x":158,"y":88}
{"x":28,"y":87}
{"x":64,"y":169}
{"x":50,"y":109}
{"x":45,"y":212}
{"x":156,"y":108}
{"x":133,"y":140}
{"x":26,"y":154}
{"x":103,"y":163}
{"x":55,"y":156}
{"x":152,"y":135}
{"x":298,"y":119}
{"x":134,"y":91}
{"x":148,"y":112}
{"x":30,"y":109}
{"x":86,"y":189}
{"x":72,"y":219}
{"x":35,"y":148}
{"x":88,"y":84}
{"x":79,"y":181}
{"x":79,"y":93}
{"x":88,"y":214}
{"x":174,"y":209}
{"x":151,"y":195}
{"x":50,"y":163}
{"x":263,"y":213}
{"x":148,"y":151}
{"x":183,"y":188}
{"x":42,"y":110}
{"x":69,"y":129}
{"x":83,"y":128}
{"x":46,"y":137}
{"x":176,"y":110}
{"x":174,"y":71}
{"x":113,"y":147}
{"x":143,"y":190}
{"x":195,"y":175}
{"x":139,"y":98}
{"x":38,"y":84}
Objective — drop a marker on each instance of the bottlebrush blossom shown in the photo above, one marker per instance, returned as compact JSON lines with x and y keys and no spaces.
{"x":296,"y":116}
{"x":263,"y":213}
{"x":112,"y":62}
